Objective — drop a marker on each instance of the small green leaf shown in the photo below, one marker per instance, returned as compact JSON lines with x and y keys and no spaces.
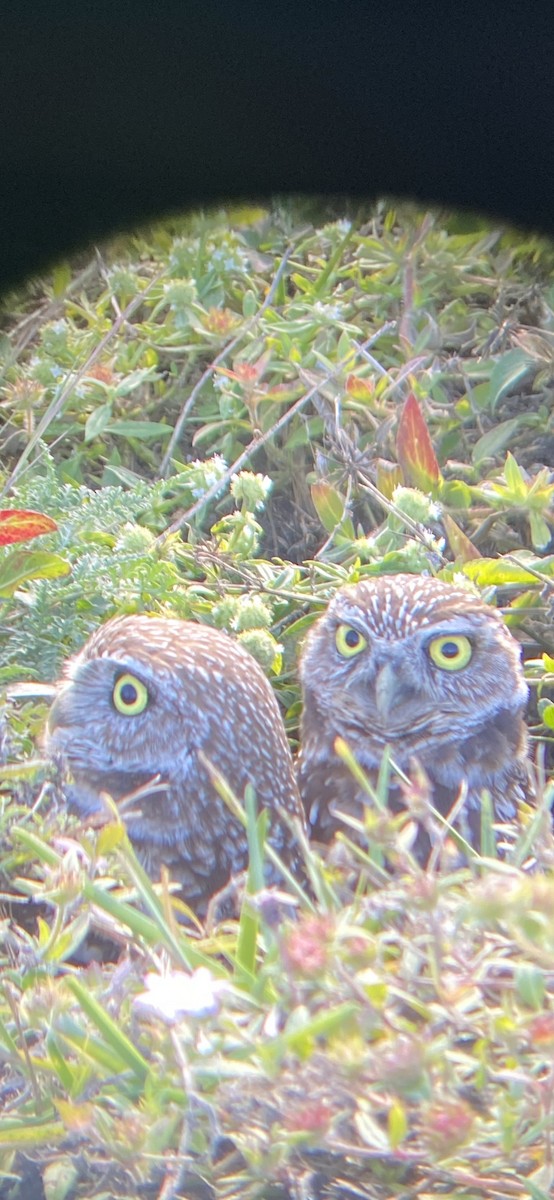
{"x":22,"y":565}
{"x":548,"y":663}
{"x":510,"y":370}
{"x":61,"y":278}
{"x":477,"y":400}
{"x":302,"y":624}
{"x":59,"y":1062}
{"x":135,"y":380}
{"x":493,"y":572}
{"x":329,"y":505}
{"x":496,"y":440}
{"x":514,"y":478}
{"x":454,"y":493}
{"x":59,"y":1178}
{"x":547,"y":715}
{"x":397,"y":1124}
{"x":530,"y":985}
{"x":98,"y":422}
{"x":249,"y":303}
{"x":121,"y":476}
{"x":109,"y":837}
{"x":541,"y":533}
{"x":144,"y":431}
{"x":305,"y":433}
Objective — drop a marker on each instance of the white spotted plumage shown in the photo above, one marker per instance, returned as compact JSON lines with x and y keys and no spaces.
{"x":207,"y":696}
{"x":463,"y":725}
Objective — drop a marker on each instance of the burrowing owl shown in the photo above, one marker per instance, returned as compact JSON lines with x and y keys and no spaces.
{"x":143,"y":699}
{"x":427,"y":668}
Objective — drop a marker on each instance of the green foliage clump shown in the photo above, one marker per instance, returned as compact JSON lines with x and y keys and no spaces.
{"x":228,"y":417}
{"x":388,"y":1038}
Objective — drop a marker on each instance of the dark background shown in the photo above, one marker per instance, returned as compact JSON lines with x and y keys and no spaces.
{"x":115,"y":113}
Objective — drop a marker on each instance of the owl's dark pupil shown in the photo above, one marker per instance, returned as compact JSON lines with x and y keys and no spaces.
{"x":450,"y":650}
{"x":351,"y":638}
{"x":128,"y":693}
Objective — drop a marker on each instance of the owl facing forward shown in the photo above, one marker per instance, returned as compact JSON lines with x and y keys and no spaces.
{"x":428,"y":669}
{"x":135,"y":712}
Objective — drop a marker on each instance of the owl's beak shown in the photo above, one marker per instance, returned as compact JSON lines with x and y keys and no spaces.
{"x":388,"y":690}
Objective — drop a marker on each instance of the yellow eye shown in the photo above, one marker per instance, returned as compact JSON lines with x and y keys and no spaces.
{"x":348,"y":641}
{"x":450,"y":653}
{"x":130,"y":696}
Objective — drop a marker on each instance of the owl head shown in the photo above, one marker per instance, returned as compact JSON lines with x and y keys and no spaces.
{"x":146,"y":695}
{"x":411,"y":662}
{"x":123,"y":704}
{"x":144,"y":713}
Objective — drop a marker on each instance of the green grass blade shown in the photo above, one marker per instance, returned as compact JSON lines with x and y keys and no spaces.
{"x":24,"y":1135}
{"x":488,"y":837}
{"x":247,"y":942}
{"x":37,"y":846}
{"x":121,"y":1045}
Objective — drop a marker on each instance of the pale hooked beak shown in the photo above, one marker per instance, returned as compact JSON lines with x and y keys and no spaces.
{"x":388,"y":690}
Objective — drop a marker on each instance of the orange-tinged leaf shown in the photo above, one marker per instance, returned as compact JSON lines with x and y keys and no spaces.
{"x":76,"y":1117}
{"x":358,"y":388}
{"x":414,"y":448}
{"x":459,"y":543}
{"x":389,"y":475}
{"x":19,"y":525}
{"x":541,"y":1029}
{"x":329,"y":505}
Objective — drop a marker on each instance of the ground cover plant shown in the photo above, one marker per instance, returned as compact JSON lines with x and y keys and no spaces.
{"x":225,"y":418}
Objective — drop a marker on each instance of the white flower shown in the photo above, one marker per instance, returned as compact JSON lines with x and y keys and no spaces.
{"x":176,"y":994}
{"x":252,"y":489}
{"x":332,"y":311}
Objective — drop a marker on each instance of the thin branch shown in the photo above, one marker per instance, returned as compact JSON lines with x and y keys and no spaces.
{"x":56,"y":406}
{"x":261,"y":440}
{"x":228,"y":349}
{"x":418,"y":531}
{"x":27,"y":326}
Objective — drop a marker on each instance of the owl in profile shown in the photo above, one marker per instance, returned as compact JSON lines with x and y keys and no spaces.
{"x":137,"y":713}
{"x":428,"y":669}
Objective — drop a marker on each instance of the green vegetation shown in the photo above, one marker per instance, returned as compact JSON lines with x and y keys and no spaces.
{"x":226,"y":418}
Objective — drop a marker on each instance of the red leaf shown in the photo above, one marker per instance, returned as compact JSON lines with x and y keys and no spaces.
{"x":20,"y":525}
{"x":414,"y":449}
{"x":541,"y":1029}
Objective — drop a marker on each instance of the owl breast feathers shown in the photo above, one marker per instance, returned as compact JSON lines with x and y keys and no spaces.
{"x":428,"y":669}
{"x":138,"y":708}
